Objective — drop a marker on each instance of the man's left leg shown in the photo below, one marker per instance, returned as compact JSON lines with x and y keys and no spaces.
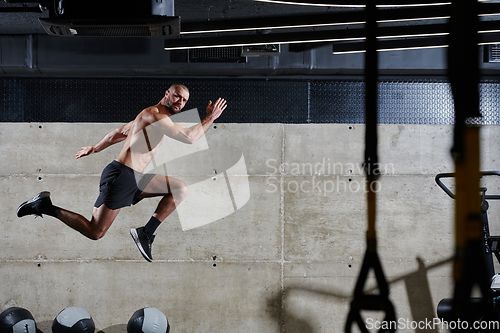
{"x":173,"y":192}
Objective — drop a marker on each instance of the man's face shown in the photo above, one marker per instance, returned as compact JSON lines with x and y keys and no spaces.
{"x":176,"y":98}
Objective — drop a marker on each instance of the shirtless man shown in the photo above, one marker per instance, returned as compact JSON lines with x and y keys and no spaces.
{"x":123,"y":182}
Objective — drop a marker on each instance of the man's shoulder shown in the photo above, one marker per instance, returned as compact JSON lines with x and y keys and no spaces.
{"x":150,"y":110}
{"x":148,"y":113}
{"x":155,"y":110}
{"x":151,"y":115}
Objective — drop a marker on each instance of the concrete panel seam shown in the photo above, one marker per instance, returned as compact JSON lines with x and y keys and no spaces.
{"x":282,"y":174}
{"x":222,"y":261}
{"x":282,"y":233}
{"x":51,"y":174}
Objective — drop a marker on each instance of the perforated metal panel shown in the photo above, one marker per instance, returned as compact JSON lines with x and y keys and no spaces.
{"x":249,"y":101}
{"x":399,"y":102}
{"x":336,"y":102}
{"x":253,"y":101}
{"x":489,"y":94}
{"x":415,"y":103}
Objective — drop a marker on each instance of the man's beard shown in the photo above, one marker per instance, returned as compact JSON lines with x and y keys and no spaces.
{"x":170,"y":106}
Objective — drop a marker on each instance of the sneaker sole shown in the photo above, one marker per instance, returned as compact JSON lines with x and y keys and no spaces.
{"x":40,"y":195}
{"x":135,"y":237}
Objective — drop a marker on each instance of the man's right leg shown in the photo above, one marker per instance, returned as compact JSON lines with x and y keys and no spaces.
{"x":102,"y":216}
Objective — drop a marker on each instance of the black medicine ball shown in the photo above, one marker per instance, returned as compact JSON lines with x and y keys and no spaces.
{"x":17,"y":320}
{"x":73,"y":320}
{"x":148,"y":320}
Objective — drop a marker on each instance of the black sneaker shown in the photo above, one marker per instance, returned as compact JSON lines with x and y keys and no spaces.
{"x":35,"y":206}
{"x":143,"y":242}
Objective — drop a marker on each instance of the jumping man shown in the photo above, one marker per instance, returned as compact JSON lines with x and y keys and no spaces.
{"x":123,"y":182}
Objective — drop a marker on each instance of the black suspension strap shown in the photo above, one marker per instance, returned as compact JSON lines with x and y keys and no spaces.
{"x":470,"y":268}
{"x":362,"y":301}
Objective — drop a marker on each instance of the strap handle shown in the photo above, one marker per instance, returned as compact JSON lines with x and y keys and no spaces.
{"x":371,"y":260}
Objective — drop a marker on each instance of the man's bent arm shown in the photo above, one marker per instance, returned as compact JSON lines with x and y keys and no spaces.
{"x":115,"y":136}
{"x":193,"y":133}
{"x":189,"y":135}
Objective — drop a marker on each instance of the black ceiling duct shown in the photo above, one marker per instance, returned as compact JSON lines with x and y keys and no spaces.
{"x":112,"y":18}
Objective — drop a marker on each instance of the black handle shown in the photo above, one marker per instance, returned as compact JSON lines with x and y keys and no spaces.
{"x":451,"y":175}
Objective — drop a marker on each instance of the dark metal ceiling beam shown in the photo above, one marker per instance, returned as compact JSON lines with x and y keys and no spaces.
{"x":407,"y":43}
{"x":410,"y":43}
{"x":278,"y":38}
{"x":359,"y":3}
{"x":411,"y":30}
{"x":20,"y":10}
{"x":346,"y":17}
{"x":25,"y":1}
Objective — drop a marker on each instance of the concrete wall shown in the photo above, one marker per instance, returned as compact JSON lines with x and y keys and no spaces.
{"x":285,"y":261}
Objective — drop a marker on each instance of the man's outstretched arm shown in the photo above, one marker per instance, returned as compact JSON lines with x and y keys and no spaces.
{"x":115,"y":136}
{"x":193,"y":133}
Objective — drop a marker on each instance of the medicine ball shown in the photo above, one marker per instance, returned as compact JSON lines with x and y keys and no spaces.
{"x":17,"y":320}
{"x":148,"y":320}
{"x":73,"y":320}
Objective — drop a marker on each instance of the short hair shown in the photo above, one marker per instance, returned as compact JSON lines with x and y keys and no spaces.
{"x":178,"y":85}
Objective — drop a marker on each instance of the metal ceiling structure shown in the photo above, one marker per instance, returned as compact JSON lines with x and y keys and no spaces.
{"x":300,"y":40}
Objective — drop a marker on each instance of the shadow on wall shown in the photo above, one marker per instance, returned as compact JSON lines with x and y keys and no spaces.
{"x":417,"y":290}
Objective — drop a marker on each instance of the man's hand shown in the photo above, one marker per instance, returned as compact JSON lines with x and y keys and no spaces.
{"x":215,"y":110}
{"x":85,"y":151}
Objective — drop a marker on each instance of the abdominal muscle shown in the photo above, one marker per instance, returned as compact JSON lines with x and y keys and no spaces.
{"x":140,"y":148}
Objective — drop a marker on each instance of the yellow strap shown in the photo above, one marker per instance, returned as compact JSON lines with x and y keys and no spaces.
{"x":468,"y":225}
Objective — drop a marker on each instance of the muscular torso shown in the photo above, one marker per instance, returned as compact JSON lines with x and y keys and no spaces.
{"x":142,"y":141}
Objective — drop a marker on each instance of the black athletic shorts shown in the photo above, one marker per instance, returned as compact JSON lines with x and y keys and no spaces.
{"x":120,"y":186}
